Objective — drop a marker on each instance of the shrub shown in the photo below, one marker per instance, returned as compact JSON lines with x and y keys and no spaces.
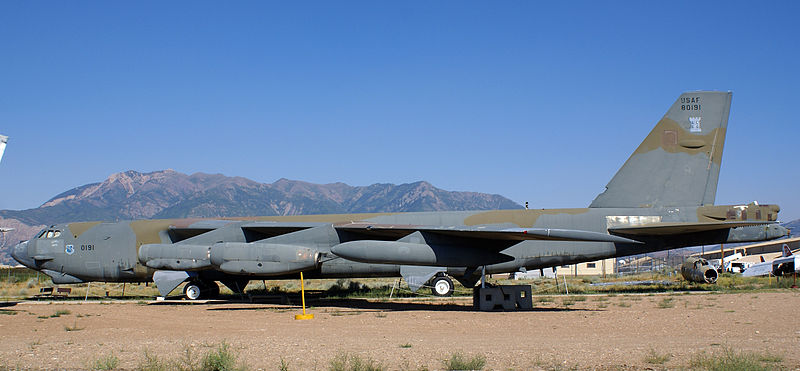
{"x":108,"y":362}
{"x":346,"y":362}
{"x":730,"y":360}
{"x":220,"y":359}
{"x":458,"y":361}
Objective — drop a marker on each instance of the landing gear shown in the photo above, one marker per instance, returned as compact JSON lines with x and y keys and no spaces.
{"x":200,"y":289}
{"x":192,"y":290}
{"x":442,"y":286}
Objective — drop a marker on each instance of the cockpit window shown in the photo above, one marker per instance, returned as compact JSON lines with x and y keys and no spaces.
{"x":50,"y":233}
{"x":41,"y":233}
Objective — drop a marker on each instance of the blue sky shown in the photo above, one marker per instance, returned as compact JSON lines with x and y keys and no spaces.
{"x":538,"y":102}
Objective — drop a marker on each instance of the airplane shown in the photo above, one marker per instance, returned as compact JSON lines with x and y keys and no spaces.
{"x":661,"y":198}
{"x":786,"y":264}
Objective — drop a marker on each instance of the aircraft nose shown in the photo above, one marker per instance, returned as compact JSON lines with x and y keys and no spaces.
{"x":20,"y":254}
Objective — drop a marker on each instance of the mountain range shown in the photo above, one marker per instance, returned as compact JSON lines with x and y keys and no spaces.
{"x":170,"y":194}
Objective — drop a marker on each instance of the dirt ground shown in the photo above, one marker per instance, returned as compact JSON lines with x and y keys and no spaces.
{"x":603,"y":331}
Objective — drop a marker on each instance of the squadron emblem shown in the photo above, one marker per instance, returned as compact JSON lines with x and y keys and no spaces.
{"x":69,"y":249}
{"x":694,"y":125}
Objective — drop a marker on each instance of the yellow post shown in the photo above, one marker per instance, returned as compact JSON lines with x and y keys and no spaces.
{"x":303,"y":299}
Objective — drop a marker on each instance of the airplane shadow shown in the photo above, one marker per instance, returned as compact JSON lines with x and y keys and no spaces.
{"x":379,"y":306}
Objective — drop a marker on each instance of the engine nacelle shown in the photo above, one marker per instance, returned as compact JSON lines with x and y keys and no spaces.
{"x":698,"y":270}
{"x":262,"y":258}
{"x":177,"y":257}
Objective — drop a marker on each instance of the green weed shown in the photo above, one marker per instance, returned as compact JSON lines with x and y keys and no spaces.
{"x":353,"y":362}
{"x":458,"y":361}
{"x":151,"y":362}
{"x":108,"y":362}
{"x":220,"y":359}
{"x":730,"y":360}
{"x":59,"y":313}
{"x":656,"y":358}
{"x":666,"y":303}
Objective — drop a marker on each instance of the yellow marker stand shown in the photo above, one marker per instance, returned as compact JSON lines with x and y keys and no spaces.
{"x":303,"y":298}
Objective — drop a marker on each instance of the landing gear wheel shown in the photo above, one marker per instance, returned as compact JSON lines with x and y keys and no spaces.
{"x":442,"y":286}
{"x":192,"y":290}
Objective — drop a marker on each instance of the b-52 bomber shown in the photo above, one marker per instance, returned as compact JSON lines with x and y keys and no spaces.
{"x":662,"y":198}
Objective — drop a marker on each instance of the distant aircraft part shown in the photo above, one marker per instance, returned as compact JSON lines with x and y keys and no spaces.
{"x":786,"y":264}
{"x":3,"y":237}
{"x":3,"y":141}
{"x":698,"y":270}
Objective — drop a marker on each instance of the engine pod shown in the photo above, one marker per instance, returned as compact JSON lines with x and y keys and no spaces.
{"x":262,"y":258}
{"x":179,"y":257}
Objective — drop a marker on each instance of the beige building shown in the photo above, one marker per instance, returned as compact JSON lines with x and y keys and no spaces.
{"x":595,"y":268}
{"x":768,"y":249}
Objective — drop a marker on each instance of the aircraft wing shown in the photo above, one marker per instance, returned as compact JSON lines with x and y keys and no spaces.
{"x":489,"y":233}
{"x":450,"y":246}
{"x":397,"y":231}
{"x":667,"y":228}
{"x":760,"y":269}
{"x":778,"y":266}
{"x":184,"y":231}
{"x":418,"y":245}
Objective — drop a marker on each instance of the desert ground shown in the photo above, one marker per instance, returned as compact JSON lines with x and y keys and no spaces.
{"x":562,"y":332}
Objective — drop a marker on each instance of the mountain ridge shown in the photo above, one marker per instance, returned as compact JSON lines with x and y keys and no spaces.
{"x":164,"y":194}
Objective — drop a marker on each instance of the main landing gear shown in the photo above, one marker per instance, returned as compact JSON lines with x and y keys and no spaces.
{"x":442,"y":286}
{"x":198,"y":289}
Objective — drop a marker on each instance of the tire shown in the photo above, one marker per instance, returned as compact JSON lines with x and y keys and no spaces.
{"x":442,"y":286}
{"x":193,"y":290}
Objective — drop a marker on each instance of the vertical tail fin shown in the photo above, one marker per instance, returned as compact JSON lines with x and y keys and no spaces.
{"x":786,"y":250}
{"x":678,"y":163}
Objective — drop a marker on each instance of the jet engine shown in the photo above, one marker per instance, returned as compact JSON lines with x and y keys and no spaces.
{"x":178,"y":257}
{"x":698,"y":270}
{"x":231,"y":257}
{"x":262,"y":258}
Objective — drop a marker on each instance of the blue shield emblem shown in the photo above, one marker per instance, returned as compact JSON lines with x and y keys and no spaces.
{"x":69,"y":249}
